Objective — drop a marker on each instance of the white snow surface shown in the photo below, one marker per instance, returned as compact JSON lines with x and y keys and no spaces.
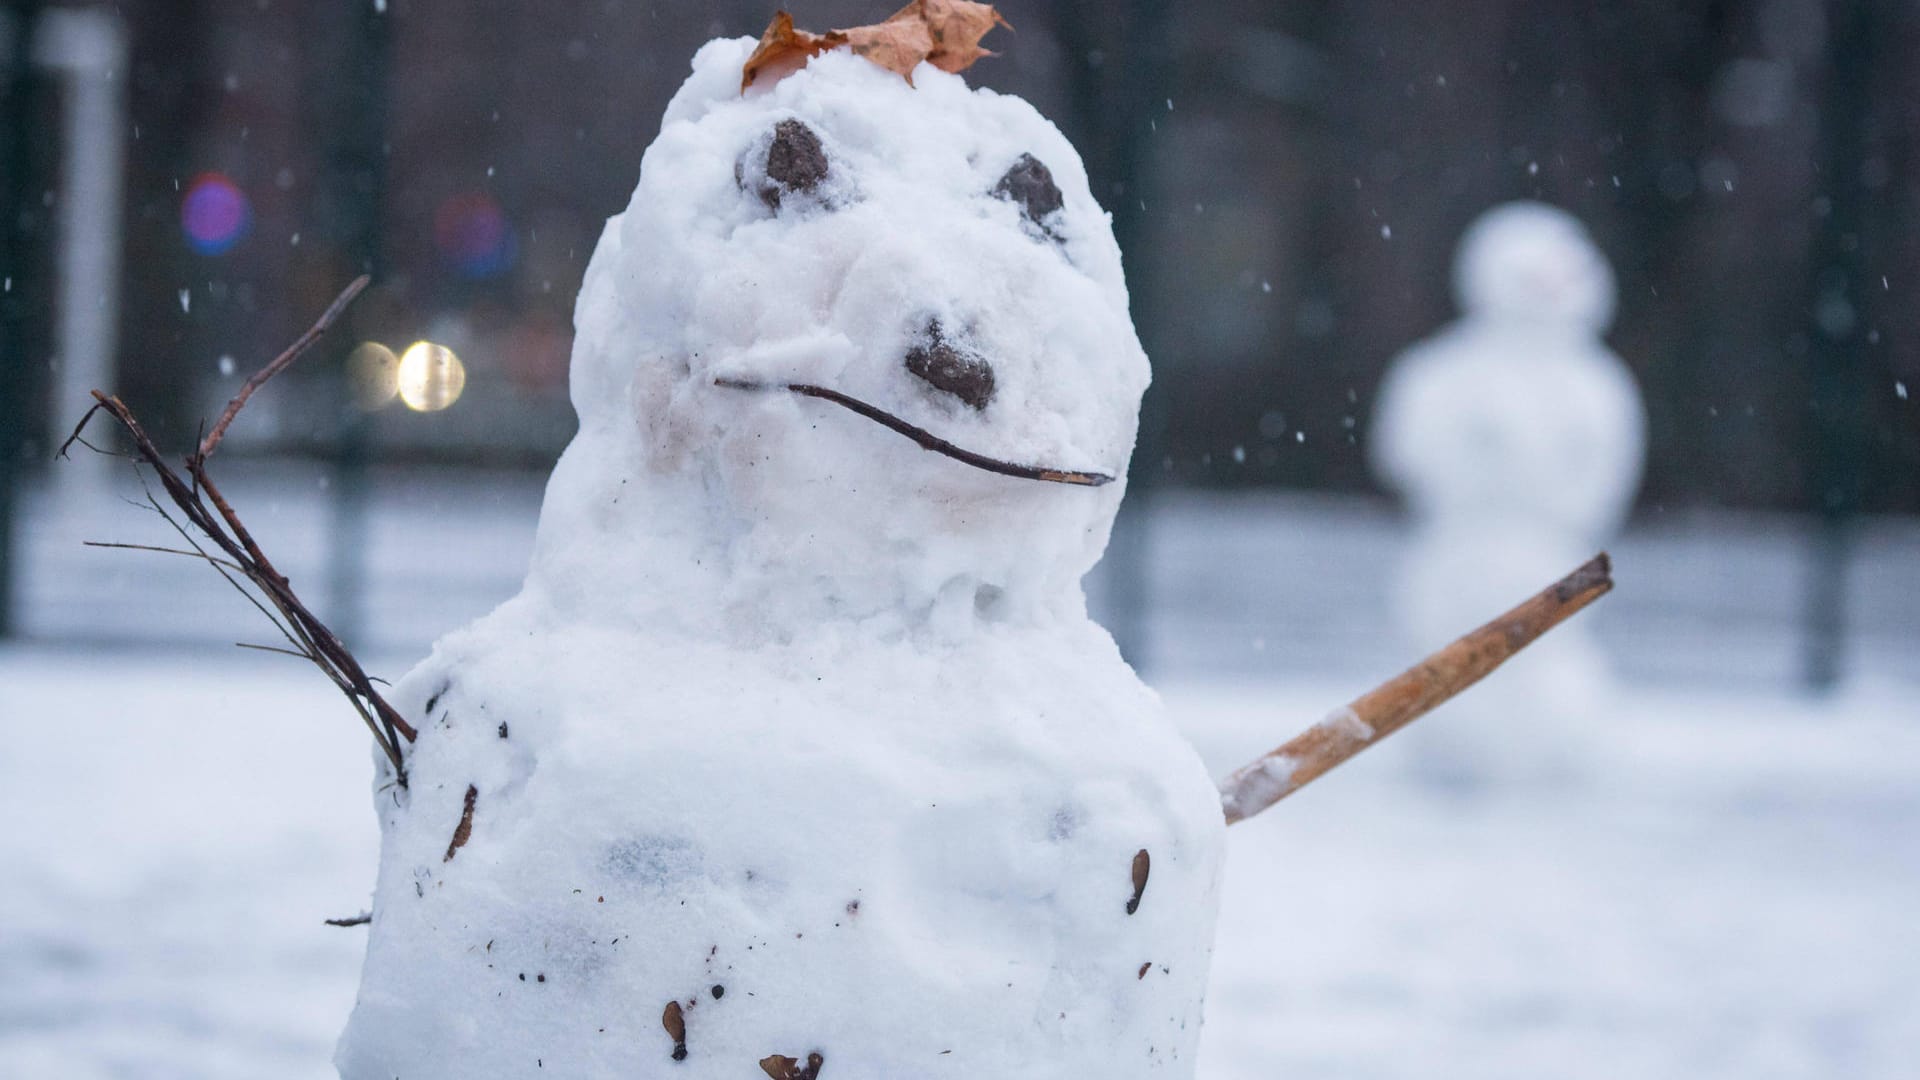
{"x":795,"y":724}
{"x":1725,"y":890}
{"x":1517,"y":439}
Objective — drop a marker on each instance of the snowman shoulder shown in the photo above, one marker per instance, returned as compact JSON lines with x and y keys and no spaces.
{"x":1427,"y":393}
{"x":1610,"y":392}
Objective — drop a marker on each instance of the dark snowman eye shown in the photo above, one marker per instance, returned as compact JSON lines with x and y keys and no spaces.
{"x":1030,"y":184}
{"x":951,"y":368}
{"x":790,"y":160}
{"x":796,"y":162}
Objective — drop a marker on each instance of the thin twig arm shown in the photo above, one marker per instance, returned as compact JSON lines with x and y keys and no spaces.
{"x":280,"y":363}
{"x":1401,"y":700}
{"x":220,"y":524}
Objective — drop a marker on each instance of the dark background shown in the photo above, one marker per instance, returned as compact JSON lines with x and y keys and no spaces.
{"x":1288,"y":181}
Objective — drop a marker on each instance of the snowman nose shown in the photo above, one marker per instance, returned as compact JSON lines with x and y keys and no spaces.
{"x":952,"y":369}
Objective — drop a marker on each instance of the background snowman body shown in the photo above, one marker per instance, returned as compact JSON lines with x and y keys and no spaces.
{"x":1517,"y":439}
{"x":798,"y":739}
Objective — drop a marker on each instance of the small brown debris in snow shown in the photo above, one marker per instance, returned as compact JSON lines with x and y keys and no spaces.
{"x":676,"y":1026}
{"x":1142,"y":863}
{"x":781,"y":1067}
{"x":463,"y":831}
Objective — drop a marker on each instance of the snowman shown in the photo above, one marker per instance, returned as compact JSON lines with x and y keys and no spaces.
{"x":797,"y":754}
{"x":1517,"y":440}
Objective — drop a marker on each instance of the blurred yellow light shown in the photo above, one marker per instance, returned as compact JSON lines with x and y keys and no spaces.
{"x":431,"y":377}
{"x":375,"y":374}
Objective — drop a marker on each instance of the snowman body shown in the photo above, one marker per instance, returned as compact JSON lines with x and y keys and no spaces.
{"x":797,"y":754}
{"x":1517,"y":440}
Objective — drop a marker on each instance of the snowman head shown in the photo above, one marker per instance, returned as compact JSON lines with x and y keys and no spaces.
{"x":1527,"y":262}
{"x":923,"y":257}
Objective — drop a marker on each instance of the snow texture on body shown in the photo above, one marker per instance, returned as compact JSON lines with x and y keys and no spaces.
{"x":1730,"y":895}
{"x":798,"y":739}
{"x":1517,"y":439}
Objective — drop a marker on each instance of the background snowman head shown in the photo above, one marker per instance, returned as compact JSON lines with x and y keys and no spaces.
{"x":929,"y":249}
{"x":1527,"y":262}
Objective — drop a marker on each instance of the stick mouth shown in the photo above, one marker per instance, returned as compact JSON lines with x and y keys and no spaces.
{"x":927,"y":440}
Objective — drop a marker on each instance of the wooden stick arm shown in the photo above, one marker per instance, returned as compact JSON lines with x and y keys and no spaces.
{"x":1398,"y":702}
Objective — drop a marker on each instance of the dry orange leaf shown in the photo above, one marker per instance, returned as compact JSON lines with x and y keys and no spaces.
{"x":784,"y":50}
{"x":956,"y":27}
{"x":944,"y":33}
{"x":897,"y":44}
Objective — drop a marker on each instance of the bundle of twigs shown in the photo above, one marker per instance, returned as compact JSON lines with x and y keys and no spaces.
{"x":236,"y":556}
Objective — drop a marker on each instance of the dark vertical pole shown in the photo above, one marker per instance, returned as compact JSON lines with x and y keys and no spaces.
{"x":353,"y":118}
{"x":1119,"y":84}
{"x":16,"y":172}
{"x":1838,"y":348}
{"x":1144,"y":92}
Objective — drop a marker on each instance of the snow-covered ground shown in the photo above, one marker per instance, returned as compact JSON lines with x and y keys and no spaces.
{"x":1723,"y":886}
{"x":176,"y":828}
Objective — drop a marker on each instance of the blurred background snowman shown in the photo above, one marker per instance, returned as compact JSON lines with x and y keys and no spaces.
{"x":1517,"y":440}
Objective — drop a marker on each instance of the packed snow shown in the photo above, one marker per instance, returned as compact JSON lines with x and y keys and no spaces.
{"x":798,"y":740}
{"x":1726,"y":891}
{"x":1517,"y":440}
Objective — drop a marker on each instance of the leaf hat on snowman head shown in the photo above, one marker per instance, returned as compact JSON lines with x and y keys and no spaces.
{"x":944,"y":33}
